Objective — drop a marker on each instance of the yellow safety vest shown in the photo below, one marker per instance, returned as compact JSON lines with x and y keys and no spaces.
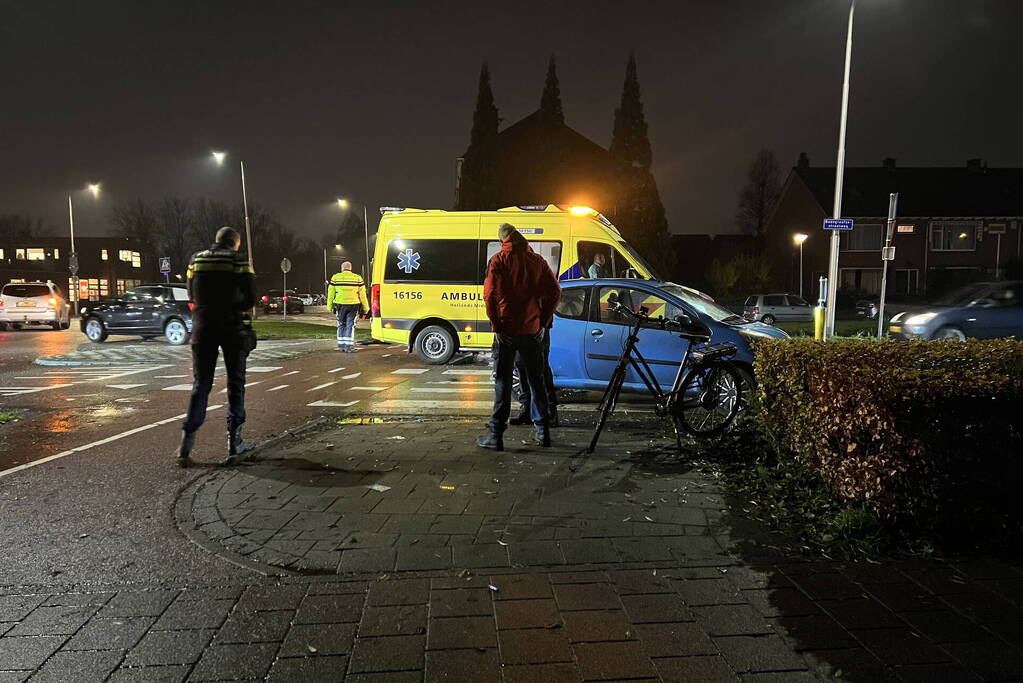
{"x":347,"y":287}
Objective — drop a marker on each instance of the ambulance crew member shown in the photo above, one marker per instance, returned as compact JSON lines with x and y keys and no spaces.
{"x":346,"y":297}
{"x":521,"y":294}
{"x":221,"y":286}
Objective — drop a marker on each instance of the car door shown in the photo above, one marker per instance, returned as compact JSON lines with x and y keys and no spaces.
{"x":141,"y":307}
{"x":798,"y":309}
{"x":774,"y":306}
{"x":568,"y":334}
{"x":662,"y":350}
{"x":999,"y":313}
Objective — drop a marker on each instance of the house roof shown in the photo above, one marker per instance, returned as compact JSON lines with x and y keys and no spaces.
{"x":972,"y":191}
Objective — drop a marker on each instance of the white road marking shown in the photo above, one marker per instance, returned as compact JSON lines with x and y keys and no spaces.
{"x":331,"y":404}
{"x":19,"y":391}
{"x":451,"y":383}
{"x":124,"y":386}
{"x":352,"y":376}
{"x":101,"y":442}
{"x":416,"y":404}
{"x":293,"y":372}
{"x":321,"y":386}
{"x":468,"y":372}
{"x":278,"y":387}
{"x":366,"y":388}
{"x":248,"y":384}
{"x":385,"y":355}
{"x":410,"y":371}
{"x":335,"y":370}
{"x":169,"y":376}
{"x":264,"y":368}
{"x":179,"y":387}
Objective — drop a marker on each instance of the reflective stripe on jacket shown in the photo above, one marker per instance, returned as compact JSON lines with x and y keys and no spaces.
{"x":347,"y":287}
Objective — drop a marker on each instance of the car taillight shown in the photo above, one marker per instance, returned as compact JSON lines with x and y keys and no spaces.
{"x":374,"y":305}
{"x":191,"y":305}
{"x":266,"y":299}
{"x":756,"y":309}
{"x":285,"y":299}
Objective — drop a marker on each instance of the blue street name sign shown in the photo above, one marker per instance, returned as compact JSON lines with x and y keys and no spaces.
{"x":838,"y":224}
{"x":164,"y":265}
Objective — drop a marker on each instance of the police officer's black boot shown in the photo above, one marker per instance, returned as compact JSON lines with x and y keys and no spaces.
{"x":493,"y":440}
{"x":185,"y":448}
{"x":235,"y":444}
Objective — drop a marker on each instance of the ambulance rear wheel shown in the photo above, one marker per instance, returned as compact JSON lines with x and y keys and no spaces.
{"x":435,"y":345}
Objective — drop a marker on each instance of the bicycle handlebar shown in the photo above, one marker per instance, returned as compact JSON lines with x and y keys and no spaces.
{"x":662,"y":322}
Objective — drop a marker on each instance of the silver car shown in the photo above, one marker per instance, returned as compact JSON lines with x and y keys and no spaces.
{"x":771,"y":308}
{"x":28,"y":303}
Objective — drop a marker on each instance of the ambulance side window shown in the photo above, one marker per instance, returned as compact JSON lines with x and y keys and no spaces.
{"x":425,"y":261}
{"x":634,"y":300}
{"x":614,"y":264}
{"x":551,"y":252}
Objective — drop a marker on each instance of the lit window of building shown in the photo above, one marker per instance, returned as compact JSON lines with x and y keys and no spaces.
{"x":1,"y":254}
{"x":124,"y":255}
{"x":56,"y":254}
{"x":136,"y":259}
{"x":103,"y":255}
{"x":19,"y":254}
{"x":36,"y":254}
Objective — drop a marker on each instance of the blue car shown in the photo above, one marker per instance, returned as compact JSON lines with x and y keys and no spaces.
{"x":983,"y":310}
{"x":588,"y":337}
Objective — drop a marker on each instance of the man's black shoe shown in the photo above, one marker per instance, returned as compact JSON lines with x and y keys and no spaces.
{"x":542,"y":437}
{"x":492,"y":441}
{"x":236,"y":445}
{"x":521,"y":419}
{"x":185,"y":448}
{"x":553,"y":420}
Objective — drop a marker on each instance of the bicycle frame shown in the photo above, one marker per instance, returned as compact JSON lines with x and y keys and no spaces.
{"x":631,"y":356}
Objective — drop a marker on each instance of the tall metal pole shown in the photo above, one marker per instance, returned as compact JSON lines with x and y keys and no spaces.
{"x":365,"y":222}
{"x":245,"y":205}
{"x":887,"y":254}
{"x":71,"y":258}
{"x":829,"y":319}
{"x":801,"y":269}
{"x":324,"y":271}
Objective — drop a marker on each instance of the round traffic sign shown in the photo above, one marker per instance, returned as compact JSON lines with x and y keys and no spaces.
{"x":285,"y":265}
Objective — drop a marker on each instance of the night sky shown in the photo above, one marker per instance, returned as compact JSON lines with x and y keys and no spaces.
{"x":373,"y":100}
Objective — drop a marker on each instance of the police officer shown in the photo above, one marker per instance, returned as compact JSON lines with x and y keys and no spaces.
{"x":221,"y":287}
{"x":346,"y":297}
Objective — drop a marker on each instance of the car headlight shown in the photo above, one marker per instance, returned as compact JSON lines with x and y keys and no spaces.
{"x":751,"y":334}
{"x":920,"y":319}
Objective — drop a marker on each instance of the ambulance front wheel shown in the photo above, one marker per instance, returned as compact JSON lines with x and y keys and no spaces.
{"x":435,"y":345}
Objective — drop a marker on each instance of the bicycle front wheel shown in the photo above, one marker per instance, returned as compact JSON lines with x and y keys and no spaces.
{"x":709,"y":400}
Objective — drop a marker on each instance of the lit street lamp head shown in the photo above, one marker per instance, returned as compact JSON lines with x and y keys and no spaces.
{"x":343,"y":203}
{"x":799,"y":238}
{"x":219,"y":157}
{"x":94,"y":189}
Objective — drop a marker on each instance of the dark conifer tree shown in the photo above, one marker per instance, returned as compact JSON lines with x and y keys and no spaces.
{"x":550,"y":101}
{"x":476,"y":188}
{"x":639,"y":212}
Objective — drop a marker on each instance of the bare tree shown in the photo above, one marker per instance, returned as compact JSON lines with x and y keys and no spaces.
{"x":757,"y":199}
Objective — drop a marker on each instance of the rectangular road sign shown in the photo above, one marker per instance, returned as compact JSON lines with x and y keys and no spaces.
{"x":164,"y":264}
{"x":838,"y":224}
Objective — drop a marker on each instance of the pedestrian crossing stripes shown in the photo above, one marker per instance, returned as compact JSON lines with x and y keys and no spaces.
{"x":423,"y":404}
{"x":264,"y":368}
{"x":125,"y":386}
{"x":444,"y":390}
{"x":321,"y":386}
{"x":334,"y":370}
{"x":278,"y":387}
{"x":352,"y":376}
{"x":331,"y":404}
{"x":367,"y":388}
{"x":179,"y":387}
{"x":20,"y":391}
{"x":485,"y":373}
{"x":410,"y":371}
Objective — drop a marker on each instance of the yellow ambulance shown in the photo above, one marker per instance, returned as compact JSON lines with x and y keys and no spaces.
{"x":429,"y":267}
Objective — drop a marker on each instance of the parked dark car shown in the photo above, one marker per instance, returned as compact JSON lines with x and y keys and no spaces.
{"x":148,"y":311}
{"x":275,"y":300}
{"x":868,"y":308}
{"x":983,"y":310}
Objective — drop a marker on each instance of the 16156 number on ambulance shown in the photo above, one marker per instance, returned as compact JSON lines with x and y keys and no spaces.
{"x":429,"y":268}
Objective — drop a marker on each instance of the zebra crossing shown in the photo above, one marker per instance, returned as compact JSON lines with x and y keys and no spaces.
{"x":63,"y":379}
{"x":154,"y":353}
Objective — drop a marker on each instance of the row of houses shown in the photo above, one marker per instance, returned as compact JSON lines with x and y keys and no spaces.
{"x":106,"y":265}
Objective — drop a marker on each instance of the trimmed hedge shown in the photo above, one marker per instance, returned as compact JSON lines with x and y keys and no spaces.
{"x":925,"y":434}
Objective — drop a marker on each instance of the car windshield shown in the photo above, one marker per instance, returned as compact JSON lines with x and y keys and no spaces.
{"x":702,"y":304}
{"x":634,"y":255}
{"x":962,"y":296}
{"x":26,"y":290}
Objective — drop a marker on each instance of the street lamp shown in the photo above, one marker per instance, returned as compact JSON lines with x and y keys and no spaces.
{"x":829,"y":314}
{"x":344,"y":204}
{"x":219,"y":158}
{"x":799,"y":238}
{"x":325,"y":276}
{"x":73,"y":257}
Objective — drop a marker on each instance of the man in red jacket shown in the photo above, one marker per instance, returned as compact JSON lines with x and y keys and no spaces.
{"x":521,"y":294}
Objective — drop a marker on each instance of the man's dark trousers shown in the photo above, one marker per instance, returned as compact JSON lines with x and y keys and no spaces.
{"x":204,"y":363}
{"x":525,"y":395}
{"x":528,"y":348}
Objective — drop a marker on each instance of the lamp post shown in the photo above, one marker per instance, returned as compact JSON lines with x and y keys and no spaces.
{"x":219,"y":158}
{"x":344,"y":204}
{"x":829,"y":314}
{"x":93,"y":188}
{"x":325,"y":276}
{"x":799,"y":238}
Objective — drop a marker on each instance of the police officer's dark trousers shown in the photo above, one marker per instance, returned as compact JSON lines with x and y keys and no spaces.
{"x":528,"y":348}
{"x":525,"y":396}
{"x":204,"y":363}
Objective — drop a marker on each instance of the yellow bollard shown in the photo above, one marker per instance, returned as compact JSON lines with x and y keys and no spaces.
{"x":818,"y":323}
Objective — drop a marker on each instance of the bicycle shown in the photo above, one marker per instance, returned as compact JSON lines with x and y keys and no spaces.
{"x":706,"y":394}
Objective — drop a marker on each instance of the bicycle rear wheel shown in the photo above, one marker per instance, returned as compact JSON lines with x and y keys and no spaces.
{"x":607,"y":404}
{"x":709,"y":400}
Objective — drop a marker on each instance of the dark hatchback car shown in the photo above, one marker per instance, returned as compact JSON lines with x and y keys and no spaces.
{"x":984,"y":310}
{"x":275,"y":300}
{"x":148,"y":311}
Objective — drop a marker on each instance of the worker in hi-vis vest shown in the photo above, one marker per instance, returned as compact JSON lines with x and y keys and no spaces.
{"x":346,"y":297}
